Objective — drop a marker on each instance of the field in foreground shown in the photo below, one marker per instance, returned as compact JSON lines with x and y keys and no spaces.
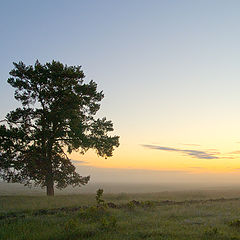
{"x":167,"y":215}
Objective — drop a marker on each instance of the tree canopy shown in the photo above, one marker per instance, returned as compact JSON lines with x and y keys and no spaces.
{"x":56,"y":117}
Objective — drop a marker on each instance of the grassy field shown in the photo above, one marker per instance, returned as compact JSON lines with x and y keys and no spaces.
{"x":186,"y":215}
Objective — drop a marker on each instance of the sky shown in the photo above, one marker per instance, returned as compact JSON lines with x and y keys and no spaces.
{"x":169,"y":71}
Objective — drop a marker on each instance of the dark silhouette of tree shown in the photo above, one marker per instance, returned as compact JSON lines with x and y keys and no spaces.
{"x":56,"y":118}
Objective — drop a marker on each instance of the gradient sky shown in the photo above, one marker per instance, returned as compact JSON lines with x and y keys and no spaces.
{"x":169,"y":70}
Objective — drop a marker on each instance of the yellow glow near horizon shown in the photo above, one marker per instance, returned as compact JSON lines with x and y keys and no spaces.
{"x":210,"y":135}
{"x":139,"y":157}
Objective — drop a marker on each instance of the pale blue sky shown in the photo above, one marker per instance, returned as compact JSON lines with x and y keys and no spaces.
{"x":166,"y":67}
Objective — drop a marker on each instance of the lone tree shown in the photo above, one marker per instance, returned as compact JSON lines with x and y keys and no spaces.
{"x":56,"y":118}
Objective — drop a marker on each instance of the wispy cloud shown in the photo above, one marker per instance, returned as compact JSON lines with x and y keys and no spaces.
{"x":197,"y":167}
{"x":235,"y":152}
{"x":191,"y":144}
{"x":193,"y":153}
{"x":79,"y":162}
{"x":232,"y":155}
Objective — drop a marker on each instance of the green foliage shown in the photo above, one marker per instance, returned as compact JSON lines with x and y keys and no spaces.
{"x":71,"y":226}
{"x":73,"y":229}
{"x":108,"y":223}
{"x":99,"y":199}
{"x":207,"y":220}
{"x":57,"y":114}
{"x":99,"y":214}
{"x":148,"y":234}
{"x":211,"y":232}
{"x":131,"y":206}
{"x":147,"y":204}
{"x":235,"y":223}
{"x":92,"y":214}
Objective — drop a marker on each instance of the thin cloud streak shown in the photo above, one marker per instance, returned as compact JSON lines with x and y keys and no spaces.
{"x":235,"y":152}
{"x":193,"y":153}
{"x":191,"y":144}
{"x":197,"y":167}
{"x":79,"y":162}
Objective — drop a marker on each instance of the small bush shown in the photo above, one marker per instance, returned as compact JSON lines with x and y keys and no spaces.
{"x":73,"y":230}
{"x":235,"y":223}
{"x":108,"y":223}
{"x":92,"y":214}
{"x":99,"y":199}
{"x":131,"y":206}
{"x":148,"y":234}
{"x":211,"y":232}
{"x":147,"y":204}
{"x":71,"y":226}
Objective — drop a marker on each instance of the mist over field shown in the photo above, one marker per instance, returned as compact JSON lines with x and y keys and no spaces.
{"x":137,"y":181}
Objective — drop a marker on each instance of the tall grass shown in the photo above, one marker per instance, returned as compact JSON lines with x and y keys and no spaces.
{"x":203,"y":220}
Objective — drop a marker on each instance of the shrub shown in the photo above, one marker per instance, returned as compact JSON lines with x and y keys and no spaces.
{"x":71,"y":226}
{"x":99,"y":199}
{"x":211,"y":232}
{"x":235,"y":223}
{"x":147,"y":204}
{"x":131,"y":206}
{"x":108,"y":223}
{"x":92,"y":214}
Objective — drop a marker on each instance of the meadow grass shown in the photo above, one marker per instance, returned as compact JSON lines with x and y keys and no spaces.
{"x":189,"y":220}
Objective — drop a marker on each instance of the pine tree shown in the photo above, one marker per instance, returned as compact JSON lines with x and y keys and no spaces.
{"x":56,"y":118}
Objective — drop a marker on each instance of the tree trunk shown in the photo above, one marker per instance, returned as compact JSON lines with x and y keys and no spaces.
{"x":50,"y":188}
{"x":49,"y":176}
{"x":49,"y":180}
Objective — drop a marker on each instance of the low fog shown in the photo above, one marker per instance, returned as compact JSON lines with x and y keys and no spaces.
{"x":137,"y":181}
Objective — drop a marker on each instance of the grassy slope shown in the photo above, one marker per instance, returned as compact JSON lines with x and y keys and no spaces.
{"x":210,"y":220}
